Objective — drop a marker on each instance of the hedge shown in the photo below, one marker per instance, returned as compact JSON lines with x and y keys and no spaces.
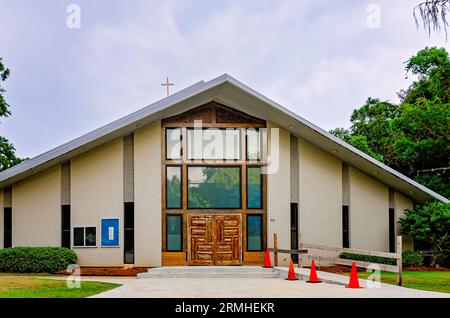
{"x":36,"y":259}
{"x":409,"y":258}
{"x":412,"y":259}
{"x":368,"y":258}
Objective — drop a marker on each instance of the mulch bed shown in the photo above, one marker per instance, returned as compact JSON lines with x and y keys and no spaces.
{"x":109,"y":271}
{"x":121,"y":271}
{"x":337,"y":269}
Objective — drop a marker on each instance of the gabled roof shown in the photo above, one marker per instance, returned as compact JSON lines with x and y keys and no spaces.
{"x":229,"y":91}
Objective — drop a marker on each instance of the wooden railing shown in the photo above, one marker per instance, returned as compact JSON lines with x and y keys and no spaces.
{"x":305,"y":248}
{"x":277,"y":250}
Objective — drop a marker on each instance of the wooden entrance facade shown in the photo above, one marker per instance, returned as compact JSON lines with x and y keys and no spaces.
{"x":214,"y":239}
{"x":214,"y":209}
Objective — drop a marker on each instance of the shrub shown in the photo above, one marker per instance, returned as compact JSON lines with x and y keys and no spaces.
{"x":412,"y":259}
{"x":409,"y":258}
{"x":36,"y":259}
{"x":368,"y":258}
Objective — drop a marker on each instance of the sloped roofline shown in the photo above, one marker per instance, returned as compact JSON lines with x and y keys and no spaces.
{"x":200,"y":87}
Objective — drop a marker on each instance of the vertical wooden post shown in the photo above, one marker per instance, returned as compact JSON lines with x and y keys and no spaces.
{"x":275,"y":250}
{"x":399,"y":261}
{"x":300,"y":256}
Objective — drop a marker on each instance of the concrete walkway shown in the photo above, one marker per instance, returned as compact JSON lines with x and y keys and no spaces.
{"x":254,"y":288}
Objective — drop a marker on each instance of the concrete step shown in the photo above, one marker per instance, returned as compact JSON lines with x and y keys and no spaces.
{"x":211,"y":272}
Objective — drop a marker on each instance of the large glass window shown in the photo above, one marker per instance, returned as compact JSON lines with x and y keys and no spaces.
{"x":174,"y":236}
{"x":214,"y":144}
{"x":173,"y":187}
{"x":173,"y":143}
{"x":214,"y":187}
{"x":254,"y":144}
{"x":254,"y":188}
{"x":254,"y":232}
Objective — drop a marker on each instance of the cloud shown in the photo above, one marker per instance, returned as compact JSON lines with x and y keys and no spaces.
{"x":317,"y":58}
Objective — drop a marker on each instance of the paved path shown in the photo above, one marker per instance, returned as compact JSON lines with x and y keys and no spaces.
{"x":252,"y":287}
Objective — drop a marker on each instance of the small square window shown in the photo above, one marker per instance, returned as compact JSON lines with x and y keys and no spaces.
{"x":84,"y":236}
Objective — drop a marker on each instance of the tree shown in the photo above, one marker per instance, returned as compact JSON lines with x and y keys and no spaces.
{"x":4,"y":107}
{"x":429,"y":224}
{"x":433,"y":14}
{"x":413,"y":136}
{"x":7,"y":150}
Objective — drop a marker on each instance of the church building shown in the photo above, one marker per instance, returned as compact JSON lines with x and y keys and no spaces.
{"x":205,"y":176}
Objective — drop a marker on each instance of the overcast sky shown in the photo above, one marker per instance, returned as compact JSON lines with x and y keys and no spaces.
{"x":320,"y":59}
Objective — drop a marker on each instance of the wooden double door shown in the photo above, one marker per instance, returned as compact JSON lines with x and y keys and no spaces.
{"x":214,"y":239}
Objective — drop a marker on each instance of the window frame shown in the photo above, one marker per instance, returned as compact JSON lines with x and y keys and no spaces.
{"x":165,"y":143}
{"x":181,"y":232}
{"x":261,"y":192}
{"x":214,"y":166}
{"x":181,"y":187}
{"x":84,"y":236}
{"x":261,"y":217}
{"x":240,"y":154}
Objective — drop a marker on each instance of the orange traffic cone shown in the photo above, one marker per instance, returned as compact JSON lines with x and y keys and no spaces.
{"x":313,"y":274}
{"x":353,"y":282}
{"x":267,"y":263}
{"x":291,"y":274}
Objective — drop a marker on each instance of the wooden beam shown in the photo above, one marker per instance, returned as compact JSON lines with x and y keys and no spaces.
{"x":275,"y":249}
{"x":285,"y":251}
{"x":351,"y":250}
{"x":399,"y":261}
{"x":383,"y":267}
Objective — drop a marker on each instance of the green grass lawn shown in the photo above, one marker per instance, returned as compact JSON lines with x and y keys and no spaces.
{"x":438,"y":281}
{"x":26,"y":286}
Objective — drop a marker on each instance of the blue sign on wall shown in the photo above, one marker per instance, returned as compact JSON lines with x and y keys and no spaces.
{"x":110,"y":232}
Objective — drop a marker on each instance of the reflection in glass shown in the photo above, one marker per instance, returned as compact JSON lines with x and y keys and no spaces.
{"x":174,"y":236}
{"x":78,"y":236}
{"x":254,"y":232}
{"x":214,"y":187}
{"x":91,"y":236}
{"x":173,"y":187}
{"x":254,"y":190}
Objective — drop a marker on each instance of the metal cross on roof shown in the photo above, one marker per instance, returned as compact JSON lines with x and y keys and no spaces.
{"x":167,"y":84}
